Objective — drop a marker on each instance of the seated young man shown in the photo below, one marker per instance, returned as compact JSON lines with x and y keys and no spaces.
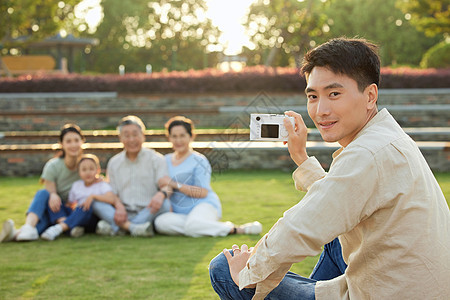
{"x":379,"y":198}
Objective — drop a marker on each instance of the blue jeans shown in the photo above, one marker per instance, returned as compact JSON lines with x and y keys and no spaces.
{"x":39,"y":206}
{"x":106,"y":212}
{"x":330,"y":264}
{"x":76,"y":217}
{"x":293,"y":286}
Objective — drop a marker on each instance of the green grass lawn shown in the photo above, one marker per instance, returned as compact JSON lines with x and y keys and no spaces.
{"x":94,"y":267}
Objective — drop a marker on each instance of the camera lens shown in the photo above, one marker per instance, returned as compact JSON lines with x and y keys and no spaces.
{"x":258,"y":118}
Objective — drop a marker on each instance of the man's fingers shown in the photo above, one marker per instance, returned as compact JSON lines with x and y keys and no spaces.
{"x":227,"y":254}
{"x":288,"y":125}
{"x":291,"y":113}
{"x":297,"y":117}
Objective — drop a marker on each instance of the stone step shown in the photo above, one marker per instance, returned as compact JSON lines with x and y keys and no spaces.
{"x":48,"y":111}
{"x":24,"y":160}
{"x":104,"y":136}
{"x":158,"y":135}
{"x":433,"y":115}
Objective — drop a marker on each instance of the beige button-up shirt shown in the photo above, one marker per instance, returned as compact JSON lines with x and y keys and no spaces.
{"x":382,"y":200}
{"x":136,"y":182}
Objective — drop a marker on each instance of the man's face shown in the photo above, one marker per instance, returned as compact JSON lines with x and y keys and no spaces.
{"x":339,"y":110}
{"x":132,"y":138}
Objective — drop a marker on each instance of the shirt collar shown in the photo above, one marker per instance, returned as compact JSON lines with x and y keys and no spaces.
{"x":140,"y":154}
{"x":379,"y":116}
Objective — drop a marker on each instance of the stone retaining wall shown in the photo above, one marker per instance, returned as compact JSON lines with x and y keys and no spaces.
{"x":42,"y":111}
{"x":48,"y":111}
{"x":30,"y":159}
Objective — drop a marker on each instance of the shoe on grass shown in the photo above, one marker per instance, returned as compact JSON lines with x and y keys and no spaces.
{"x":52,"y":232}
{"x":145,"y":229}
{"x":8,"y":231}
{"x":27,"y":233}
{"x":77,"y":231}
{"x":104,"y":228}
{"x":252,"y":228}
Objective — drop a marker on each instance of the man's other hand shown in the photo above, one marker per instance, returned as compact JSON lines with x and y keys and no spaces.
{"x":120,"y":216}
{"x":238,"y":261}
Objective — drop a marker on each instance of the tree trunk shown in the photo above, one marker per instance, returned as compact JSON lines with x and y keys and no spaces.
{"x":272,"y":54}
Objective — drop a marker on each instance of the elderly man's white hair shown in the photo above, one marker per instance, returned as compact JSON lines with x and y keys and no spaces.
{"x":128,"y":120}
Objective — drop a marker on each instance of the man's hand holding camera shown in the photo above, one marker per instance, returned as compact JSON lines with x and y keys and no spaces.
{"x":297,"y":137}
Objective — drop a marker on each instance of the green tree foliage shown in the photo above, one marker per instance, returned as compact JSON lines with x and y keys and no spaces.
{"x":33,"y":18}
{"x":282,"y":29}
{"x":437,"y":56}
{"x":296,"y":26}
{"x":171,"y":35}
{"x":429,"y":16}
{"x":382,"y":23}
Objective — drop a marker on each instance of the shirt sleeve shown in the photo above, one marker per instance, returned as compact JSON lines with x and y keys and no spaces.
{"x":111,"y":178}
{"x":202,"y":172}
{"x":105,"y":187}
{"x":160,"y":167}
{"x":332,"y":206}
{"x":307,"y":173}
{"x":50,"y":171}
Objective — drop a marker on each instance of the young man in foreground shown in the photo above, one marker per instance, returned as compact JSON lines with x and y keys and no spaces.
{"x":379,"y":198}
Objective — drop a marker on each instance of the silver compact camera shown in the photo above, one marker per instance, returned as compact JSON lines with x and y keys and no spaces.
{"x":269,"y":127}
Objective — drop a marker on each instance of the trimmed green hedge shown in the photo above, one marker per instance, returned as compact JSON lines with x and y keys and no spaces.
{"x":437,"y":56}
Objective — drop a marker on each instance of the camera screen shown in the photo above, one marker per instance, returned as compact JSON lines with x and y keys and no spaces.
{"x":269,"y":130}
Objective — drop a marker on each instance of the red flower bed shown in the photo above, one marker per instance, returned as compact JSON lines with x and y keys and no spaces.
{"x":251,"y":79}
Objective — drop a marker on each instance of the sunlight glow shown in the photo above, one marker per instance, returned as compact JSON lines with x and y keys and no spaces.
{"x":228,"y":17}
{"x":91,"y":11}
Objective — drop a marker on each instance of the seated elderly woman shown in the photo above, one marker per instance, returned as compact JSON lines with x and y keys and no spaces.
{"x":196,"y":208}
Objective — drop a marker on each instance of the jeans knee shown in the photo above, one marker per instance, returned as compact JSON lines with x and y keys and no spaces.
{"x":218,"y":268}
{"x":39,"y":204}
{"x":221,"y":280}
{"x":42,"y":196}
{"x":98,"y":206}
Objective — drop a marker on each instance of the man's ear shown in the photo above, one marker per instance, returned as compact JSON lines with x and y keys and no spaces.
{"x":372,"y":96}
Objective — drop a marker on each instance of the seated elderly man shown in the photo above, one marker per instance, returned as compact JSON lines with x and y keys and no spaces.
{"x":133,"y":175}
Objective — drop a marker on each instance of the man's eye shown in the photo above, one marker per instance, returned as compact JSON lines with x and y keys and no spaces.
{"x":334,"y":94}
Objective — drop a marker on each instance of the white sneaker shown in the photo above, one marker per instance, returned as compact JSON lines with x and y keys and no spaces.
{"x":252,"y":228}
{"x":103,"y":228}
{"x":145,"y":229}
{"x":8,"y":231}
{"x":52,"y":232}
{"x":77,"y":231}
{"x":27,"y":233}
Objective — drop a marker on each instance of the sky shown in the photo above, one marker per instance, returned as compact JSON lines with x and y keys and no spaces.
{"x":226,"y":15}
